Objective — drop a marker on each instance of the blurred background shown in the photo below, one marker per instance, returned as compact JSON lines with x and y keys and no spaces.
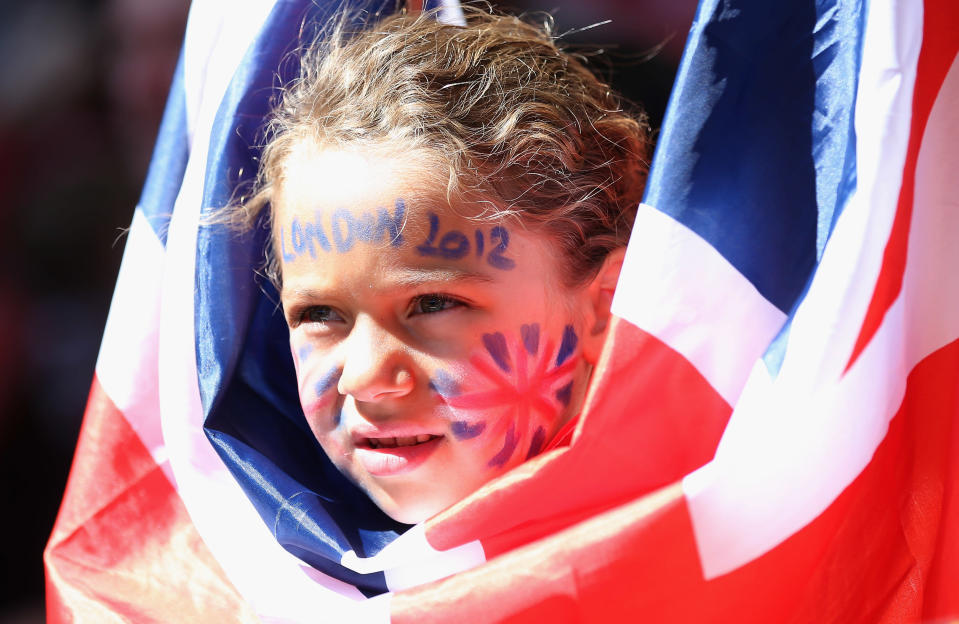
{"x":82,"y":88}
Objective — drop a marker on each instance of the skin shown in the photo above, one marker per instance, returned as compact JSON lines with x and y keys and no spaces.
{"x":425,"y":374}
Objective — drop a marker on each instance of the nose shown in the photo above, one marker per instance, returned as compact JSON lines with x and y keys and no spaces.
{"x":376,"y":364}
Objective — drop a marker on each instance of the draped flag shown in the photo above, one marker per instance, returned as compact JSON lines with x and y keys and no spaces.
{"x":772,"y":433}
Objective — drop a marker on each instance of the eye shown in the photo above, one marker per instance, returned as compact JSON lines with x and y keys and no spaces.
{"x":433,"y":303}
{"x":320,"y":314}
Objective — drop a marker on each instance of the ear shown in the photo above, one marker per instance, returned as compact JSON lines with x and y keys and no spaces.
{"x":600,"y":297}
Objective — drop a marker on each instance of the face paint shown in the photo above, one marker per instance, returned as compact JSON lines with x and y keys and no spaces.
{"x":514,"y":391}
{"x":454,"y":244}
{"x":311,"y":238}
{"x":317,"y":378}
{"x":432,"y":356}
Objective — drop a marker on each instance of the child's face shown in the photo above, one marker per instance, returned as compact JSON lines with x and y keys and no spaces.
{"x":432,"y":353}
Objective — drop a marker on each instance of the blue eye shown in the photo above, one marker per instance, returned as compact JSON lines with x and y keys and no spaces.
{"x":320,"y":314}
{"x":433,"y":303}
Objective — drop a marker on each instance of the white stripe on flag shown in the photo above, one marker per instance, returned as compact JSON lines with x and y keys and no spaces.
{"x":794,"y":444}
{"x":127,"y":364}
{"x":677,"y":287}
{"x":213,"y":28}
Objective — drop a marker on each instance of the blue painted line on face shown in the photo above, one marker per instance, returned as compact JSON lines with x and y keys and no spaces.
{"x":496,"y":257}
{"x":427,"y":248}
{"x":298,"y":240}
{"x":509,"y":445}
{"x":536,"y":444}
{"x":287,"y":256}
{"x":303,"y":235}
{"x":391,"y":226}
{"x":568,"y":345}
{"x":530,"y":336}
{"x":467,"y":431}
{"x":363,"y":226}
{"x":327,"y":382}
{"x":309,"y":234}
{"x":565,"y":394}
{"x":343,"y":242}
{"x":496,"y":345}
{"x":304,"y":351}
{"x":316,"y":230}
{"x":329,"y":379}
{"x":454,"y":245}
{"x":443,"y":384}
{"x":346,"y":230}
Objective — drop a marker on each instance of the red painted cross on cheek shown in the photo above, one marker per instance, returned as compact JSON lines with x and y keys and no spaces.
{"x":533,"y":384}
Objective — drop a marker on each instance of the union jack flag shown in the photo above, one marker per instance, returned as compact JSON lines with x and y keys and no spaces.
{"x":772,"y":433}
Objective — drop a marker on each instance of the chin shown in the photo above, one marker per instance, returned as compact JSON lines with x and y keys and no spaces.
{"x":411,"y":513}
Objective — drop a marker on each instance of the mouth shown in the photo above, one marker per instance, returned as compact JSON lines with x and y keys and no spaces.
{"x":390,"y":456}
{"x":397,"y":441}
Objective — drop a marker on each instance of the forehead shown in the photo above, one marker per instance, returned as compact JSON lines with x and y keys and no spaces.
{"x":328,"y":197}
{"x":344,"y":177}
{"x":346,"y":219}
{"x":340,"y":214}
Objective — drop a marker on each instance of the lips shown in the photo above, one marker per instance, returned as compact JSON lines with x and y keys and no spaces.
{"x":394,"y":449}
{"x":395,"y":455}
{"x":398,"y":441}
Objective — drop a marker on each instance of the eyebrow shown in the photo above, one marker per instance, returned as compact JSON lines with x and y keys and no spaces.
{"x":408,"y":278}
{"x":417,"y":277}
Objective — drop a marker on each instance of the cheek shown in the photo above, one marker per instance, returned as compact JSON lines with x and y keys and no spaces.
{"x":514,"y":392}
{"x":317,"y":379}
{"x":300,"y":353}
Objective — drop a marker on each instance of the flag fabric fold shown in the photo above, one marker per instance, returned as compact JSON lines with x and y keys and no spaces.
{"x":772,"y":432}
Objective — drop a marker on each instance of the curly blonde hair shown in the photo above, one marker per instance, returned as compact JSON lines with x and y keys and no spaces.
{"x":522,"y":127}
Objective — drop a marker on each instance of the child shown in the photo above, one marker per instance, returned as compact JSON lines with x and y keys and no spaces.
{"x":449,"y":208}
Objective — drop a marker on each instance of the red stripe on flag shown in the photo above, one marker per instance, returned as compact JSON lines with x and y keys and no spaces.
{"x":869,"y":556}
{"x":123,"y":546}
{"x":597,"y":571}
{"x":939,"y":48}
{"x":940,"y":478}
{"x":884,"y":551}
{"x":649,"y":419}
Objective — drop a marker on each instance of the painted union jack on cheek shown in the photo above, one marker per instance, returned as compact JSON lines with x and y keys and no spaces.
{"x":518,"y":391}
